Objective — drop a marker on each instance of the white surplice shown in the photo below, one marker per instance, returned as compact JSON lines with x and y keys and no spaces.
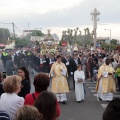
{"x":79,"y":89}
{"x":106,"y":96}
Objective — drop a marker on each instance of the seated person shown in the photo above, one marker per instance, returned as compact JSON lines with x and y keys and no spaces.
{"x":4,"y":115}
{"x":10,"y":101}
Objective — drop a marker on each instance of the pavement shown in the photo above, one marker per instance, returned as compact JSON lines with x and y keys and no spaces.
{"x":89,"y":109}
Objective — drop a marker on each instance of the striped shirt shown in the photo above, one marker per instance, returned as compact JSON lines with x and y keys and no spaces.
{"x":4,"y":115}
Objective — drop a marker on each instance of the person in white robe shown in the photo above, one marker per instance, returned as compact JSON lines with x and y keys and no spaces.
{"x":59,"y":86}
{"x":79,"y":78}
{"x":106,"y":85}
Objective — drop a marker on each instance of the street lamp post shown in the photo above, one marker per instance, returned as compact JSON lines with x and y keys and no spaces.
{"x":95,"y":13}
{"x":109,"y":38}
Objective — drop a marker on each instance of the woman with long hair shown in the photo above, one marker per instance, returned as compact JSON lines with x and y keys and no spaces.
{"x":47,"y":105}
{"x":25,"y":88}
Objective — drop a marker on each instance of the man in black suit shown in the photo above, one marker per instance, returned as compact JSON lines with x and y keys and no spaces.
{"x":75,"y":61}
{"x":66,"y":61}
{"x":49,"y":62}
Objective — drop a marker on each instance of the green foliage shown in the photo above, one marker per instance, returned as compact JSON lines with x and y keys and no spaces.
{"x":107,"y":46}
{"x":4,"y":35}
{"x":37,"y":33}
{"x":22,"y":42}
{"x":60,"y":43}
{"x":114,"y":41}
{"x":75,"y":36}
{"x":25,"y":41}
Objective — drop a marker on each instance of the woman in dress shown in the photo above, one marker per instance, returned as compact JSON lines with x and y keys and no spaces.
{"x":25,"y":88}
{"x":79,"y":78}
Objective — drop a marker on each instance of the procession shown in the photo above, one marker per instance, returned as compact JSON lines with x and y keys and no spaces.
{"x":59,"y":60}
{"x":99,"y":67}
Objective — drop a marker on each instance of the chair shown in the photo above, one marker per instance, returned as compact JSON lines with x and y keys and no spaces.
{"x":4,"y":115}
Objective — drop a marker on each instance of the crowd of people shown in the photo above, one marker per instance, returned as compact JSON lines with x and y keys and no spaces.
{"x":98,"y":66}
{"x":16,"y":100}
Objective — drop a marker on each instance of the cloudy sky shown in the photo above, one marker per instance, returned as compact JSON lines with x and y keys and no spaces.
{"x":59,"y":15}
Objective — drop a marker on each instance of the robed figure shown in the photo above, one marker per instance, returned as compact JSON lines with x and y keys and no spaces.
{"x":58,"y":73}
{"x":106,"y":82}
{"x":79,"y":78}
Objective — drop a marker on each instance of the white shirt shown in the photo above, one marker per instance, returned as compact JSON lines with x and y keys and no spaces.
{"x":79,"y":74}
{"x":76,"y":61}
{"x":13,"y":57}
{"x":114,"y":65}
{"x":11,"y":103}
{"x":41,"y":62}
{"x":50,"y":61}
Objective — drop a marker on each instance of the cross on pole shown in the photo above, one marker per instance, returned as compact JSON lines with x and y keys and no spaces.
{"x":95,"y":13}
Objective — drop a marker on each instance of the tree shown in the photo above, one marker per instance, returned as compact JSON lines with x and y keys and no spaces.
{"x":72,"y":36}
{"x":25,"y":41}
{"x":21,"y":42}
{"x":114,"y":41}
{"x":4,"y":35}
{"x":107,"y":46}
{"x":37,"y":33}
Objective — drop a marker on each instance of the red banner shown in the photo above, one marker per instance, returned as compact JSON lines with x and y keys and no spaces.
{"x":64,"y":43}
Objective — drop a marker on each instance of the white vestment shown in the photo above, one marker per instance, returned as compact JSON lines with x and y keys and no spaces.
{"x":79,"y":89}
{"x":61,"y":97}
{"x":105,"y":96}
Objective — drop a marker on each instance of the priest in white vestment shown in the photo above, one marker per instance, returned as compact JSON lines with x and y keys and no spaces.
{"x":59,"y":86}
{"x":79,"y":78}
{"x":106,"y":83}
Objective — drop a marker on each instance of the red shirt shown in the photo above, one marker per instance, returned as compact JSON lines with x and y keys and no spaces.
{"x":29,"y":100}
{"x":57,"y":110}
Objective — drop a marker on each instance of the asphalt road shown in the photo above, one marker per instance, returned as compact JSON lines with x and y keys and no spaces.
{"x":89,"y":109}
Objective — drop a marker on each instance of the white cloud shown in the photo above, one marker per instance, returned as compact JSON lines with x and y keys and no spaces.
{"x":59,"y":15}
{"x":21,"y":7}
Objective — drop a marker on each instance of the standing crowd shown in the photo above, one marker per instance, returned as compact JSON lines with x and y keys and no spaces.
{"x":98,"y":66}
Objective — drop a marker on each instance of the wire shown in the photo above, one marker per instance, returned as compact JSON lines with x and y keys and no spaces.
{"x":18,"y":28}
{"x":5,"y":23}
